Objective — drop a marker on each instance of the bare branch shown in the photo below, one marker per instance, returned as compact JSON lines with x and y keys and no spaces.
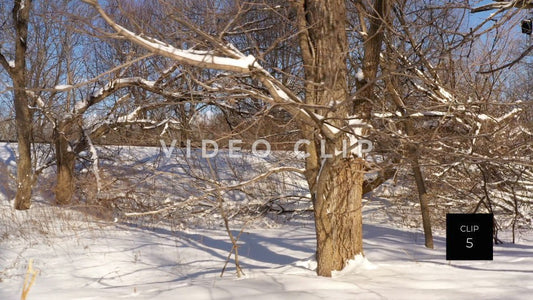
{"x":5,"y":63}
{"x":510,"y":64}
{"x":263,"y":176}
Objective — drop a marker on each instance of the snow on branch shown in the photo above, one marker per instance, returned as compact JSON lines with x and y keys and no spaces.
{"x":9,"y":65}
{"x":437,"y":91}
{"x":41,"y":106}
{"x":504,"y":5}
{"x":131,"y":117}
{"x":498,"y":120}
{"x":205,"y":59}
{"x":234,"y":61}
{"x":95,"y":159}
{"x":117,"y":84}
{"x":430,"y":113}
{"x":63,"y":87}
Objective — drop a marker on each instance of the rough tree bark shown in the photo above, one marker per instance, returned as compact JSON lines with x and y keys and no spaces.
{"x":66,"y":160}
{"x":336,"y":183}
{"x":338,"y":214}
{"x":422,"y":195}
{"x":377,"y":16}
{"x":23,"y":116}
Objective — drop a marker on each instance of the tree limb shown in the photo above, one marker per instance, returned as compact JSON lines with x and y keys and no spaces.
{"x":235,"y":61}
{"x":5,"y":63}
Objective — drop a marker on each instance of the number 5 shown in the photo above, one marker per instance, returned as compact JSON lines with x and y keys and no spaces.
{"x":469,"y":243}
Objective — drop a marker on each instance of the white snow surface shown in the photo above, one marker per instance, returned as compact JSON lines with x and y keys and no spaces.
{"x":82,"y":257}
{"x":113,"y":261}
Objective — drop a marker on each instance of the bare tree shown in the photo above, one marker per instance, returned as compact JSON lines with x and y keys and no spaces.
{"x":336,"y":184}
{"x":446,"y":109}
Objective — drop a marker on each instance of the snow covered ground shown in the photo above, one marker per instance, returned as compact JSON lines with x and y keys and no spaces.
{"x":111,"y":261}
{"x":82,"y":257}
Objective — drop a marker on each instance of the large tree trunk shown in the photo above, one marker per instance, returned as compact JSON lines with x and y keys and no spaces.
{"x":24,"y":166}
{"x":336,"y":184}
{"x":338,"y":214}
{"x":66,"y":159}
{"x":23,"y":116}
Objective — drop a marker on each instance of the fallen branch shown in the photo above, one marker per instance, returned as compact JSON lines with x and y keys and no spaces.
{"x":28,"y":282}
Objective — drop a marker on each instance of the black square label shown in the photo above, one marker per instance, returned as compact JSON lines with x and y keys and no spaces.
{"x":469,"y":236}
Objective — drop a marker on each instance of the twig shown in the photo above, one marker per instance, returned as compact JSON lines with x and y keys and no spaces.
{"x":510,"y":64}
{"x":27,"y":281}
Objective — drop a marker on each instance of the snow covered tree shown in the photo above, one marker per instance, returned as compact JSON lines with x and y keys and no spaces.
{"x":327,"y":114}
{"x":337,"y":184}
{"x":398,"y":74}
